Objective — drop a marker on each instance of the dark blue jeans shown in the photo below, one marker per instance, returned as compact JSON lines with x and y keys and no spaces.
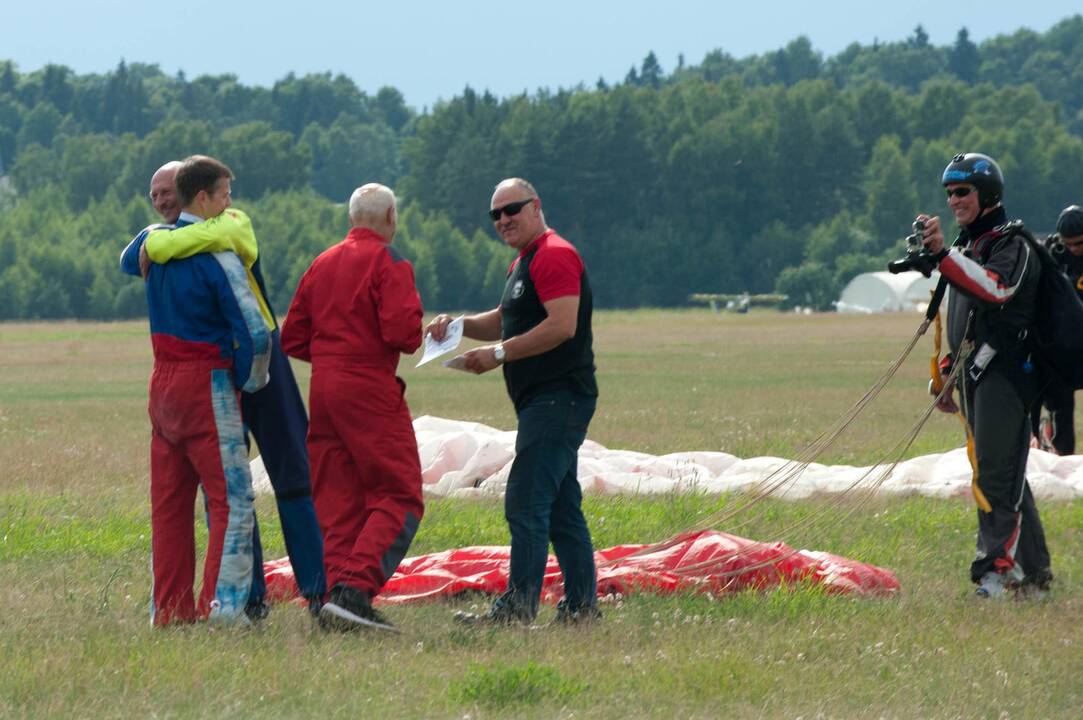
{"x":543,"y":503}
{"x":275,"y":416}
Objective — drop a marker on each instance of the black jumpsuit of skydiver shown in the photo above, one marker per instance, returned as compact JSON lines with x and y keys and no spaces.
{"x":993,"y":301}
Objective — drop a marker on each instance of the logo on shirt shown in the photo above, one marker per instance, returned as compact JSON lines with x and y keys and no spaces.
{"x":517,"y":290}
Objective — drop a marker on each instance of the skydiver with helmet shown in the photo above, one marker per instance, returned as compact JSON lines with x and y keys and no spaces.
{"x":1056,"y":432}
{"x":993,"y":278}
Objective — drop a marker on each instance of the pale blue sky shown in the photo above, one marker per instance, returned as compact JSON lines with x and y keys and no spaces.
{"x":433,"y":49}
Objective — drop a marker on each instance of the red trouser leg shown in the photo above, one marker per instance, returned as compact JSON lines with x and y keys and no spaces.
{"x":337,"y":495}
{"x":218,"y":452}
{"x":366,"y":476}
{"x":173,"y":484}
{"x":195,"y":408}
{"x":205,"y":449}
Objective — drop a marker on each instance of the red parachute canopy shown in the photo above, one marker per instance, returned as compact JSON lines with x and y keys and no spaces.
{"x":705,"y":561}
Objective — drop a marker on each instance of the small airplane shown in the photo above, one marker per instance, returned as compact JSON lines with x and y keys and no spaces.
{"x":739,"y":303}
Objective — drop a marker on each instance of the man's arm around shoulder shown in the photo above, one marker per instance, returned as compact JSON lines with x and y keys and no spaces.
{"x":129,"y":256}
{"x":230,"y":231}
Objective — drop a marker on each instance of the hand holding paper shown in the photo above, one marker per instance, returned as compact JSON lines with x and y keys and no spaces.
{"x":434,"y":349}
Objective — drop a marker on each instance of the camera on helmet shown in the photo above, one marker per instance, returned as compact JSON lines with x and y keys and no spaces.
{"x":917,"y":256}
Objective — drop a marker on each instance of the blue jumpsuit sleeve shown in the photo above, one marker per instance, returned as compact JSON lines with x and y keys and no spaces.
{"x":129,"y":257}
{"x":251,"y":338}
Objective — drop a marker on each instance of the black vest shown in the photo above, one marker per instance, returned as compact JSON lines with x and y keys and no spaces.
{"x":568,"y":366}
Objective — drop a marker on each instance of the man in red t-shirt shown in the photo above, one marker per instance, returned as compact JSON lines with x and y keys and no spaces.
{"x":543,"y":325}
{"x":355,"y":311}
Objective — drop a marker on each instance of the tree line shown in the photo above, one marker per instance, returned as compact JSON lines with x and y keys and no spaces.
{"x":784,"y":171}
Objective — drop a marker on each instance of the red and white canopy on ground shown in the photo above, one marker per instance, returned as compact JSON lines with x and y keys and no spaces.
{"x":707,"y":561}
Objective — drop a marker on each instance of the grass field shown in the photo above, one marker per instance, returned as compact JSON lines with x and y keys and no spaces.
{"x":74,"y":554}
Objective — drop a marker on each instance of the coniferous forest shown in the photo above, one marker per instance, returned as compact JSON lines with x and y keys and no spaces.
{"x":787,"y":171}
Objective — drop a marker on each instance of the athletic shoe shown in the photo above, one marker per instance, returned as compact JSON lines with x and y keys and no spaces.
{"x":315,"y":602}
{"x":499,"y":614}
{"x":991,"y":587}
{"x":257,"y":612}
{"x":1031,"y":591}
{"x":219,"y":619}
{"x":583,"y":616}
{"x":351,"y":609}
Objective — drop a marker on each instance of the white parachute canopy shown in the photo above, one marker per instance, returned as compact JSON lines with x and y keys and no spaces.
{"x":465,"y":459}
{"x":875,"y":292}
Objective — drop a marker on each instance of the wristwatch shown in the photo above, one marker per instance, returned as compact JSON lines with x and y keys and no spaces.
{"x":498,"y":353}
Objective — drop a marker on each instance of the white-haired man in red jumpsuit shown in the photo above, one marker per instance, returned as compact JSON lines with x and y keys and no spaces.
{"x":355,"y":311}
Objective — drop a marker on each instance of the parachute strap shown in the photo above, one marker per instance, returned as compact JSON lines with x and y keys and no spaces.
{"x":972,"y":456}
{"x":934,"y":361}
{"x":938,"y":387}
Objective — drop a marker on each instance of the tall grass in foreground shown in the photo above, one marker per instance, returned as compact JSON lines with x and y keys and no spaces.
{"x":74,"y":560}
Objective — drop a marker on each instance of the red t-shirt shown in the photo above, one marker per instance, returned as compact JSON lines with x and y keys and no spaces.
{"x":556,"y":268}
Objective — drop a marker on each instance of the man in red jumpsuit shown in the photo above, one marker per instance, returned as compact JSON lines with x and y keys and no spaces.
{"x":356,"y":309}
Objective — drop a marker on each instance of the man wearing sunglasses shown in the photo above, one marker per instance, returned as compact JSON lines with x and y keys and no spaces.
{"x":543,"y":329}
{"x":992,"y":306}
{"x":1057,"y":433}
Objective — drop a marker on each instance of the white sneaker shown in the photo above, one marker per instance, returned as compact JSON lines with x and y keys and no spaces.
{"x":992,"y":586}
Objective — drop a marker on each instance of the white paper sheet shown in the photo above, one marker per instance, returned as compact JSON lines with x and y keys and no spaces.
{"x":452,"y":338}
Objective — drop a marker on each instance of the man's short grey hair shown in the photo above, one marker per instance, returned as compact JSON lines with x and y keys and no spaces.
{"x":519,"y":183}
{"x":371,"y":202}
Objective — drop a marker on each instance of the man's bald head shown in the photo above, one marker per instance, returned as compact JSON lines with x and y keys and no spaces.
{"x":163,"y":191}
{"x":373,"y":206}
{"x":516,"y":212}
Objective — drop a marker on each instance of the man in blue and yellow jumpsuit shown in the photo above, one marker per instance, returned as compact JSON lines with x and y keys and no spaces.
{"x":209,"y":342}
{"x":275,"y":415}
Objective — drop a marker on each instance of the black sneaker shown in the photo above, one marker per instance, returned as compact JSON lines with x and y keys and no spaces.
{"x":583,"y":616}
{"x":315,"y":602}
{"x":1033,"y":590}
{"x":351,"y":609}
{"x":257,"y":611}
{"x":498,"y":614}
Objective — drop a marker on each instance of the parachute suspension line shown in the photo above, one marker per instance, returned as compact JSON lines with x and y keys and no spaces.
{"x":789,"y":471}
{"x":824,"y":518}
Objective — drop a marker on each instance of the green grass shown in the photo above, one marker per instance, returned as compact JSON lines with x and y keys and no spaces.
{"x":74,"y":555}
{"x":503,"y":686}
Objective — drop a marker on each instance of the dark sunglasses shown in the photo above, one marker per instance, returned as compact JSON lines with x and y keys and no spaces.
{"x":959,"y":192}
{"x":511,"y":209}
